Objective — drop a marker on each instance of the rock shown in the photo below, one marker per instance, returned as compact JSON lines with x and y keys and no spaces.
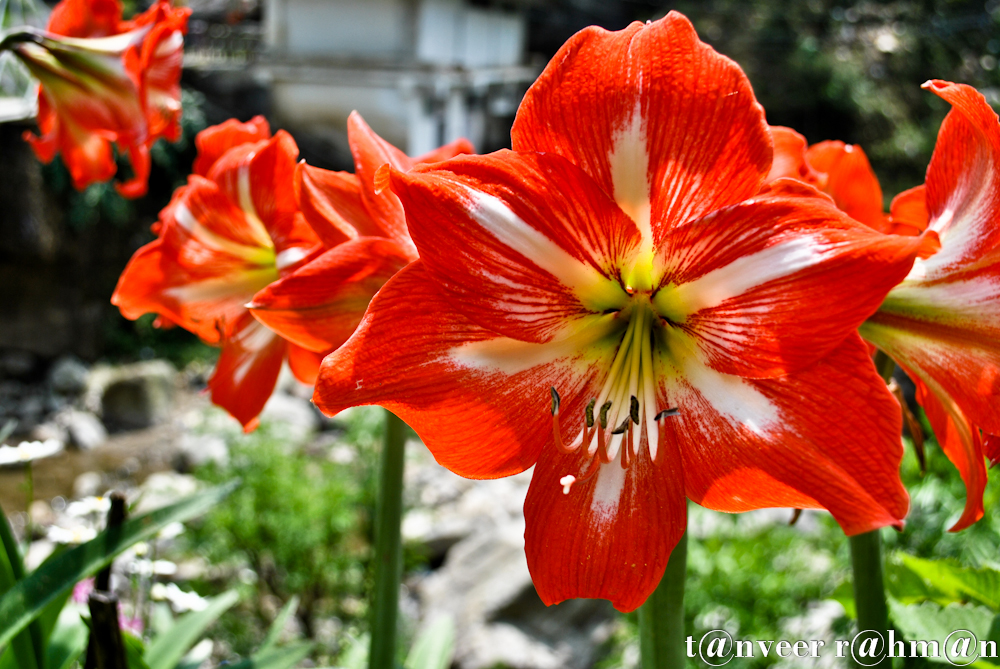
{"x":86,"y":431}
{"x":68,"y":376}
{"x":50,"y":430}
{"x":197,"y":449}
{"x":298,"y":417}
{"x":485,"y":586}
{"x":132,"y":396}
{"x":88,"y":484}
{"x":17,"y":364}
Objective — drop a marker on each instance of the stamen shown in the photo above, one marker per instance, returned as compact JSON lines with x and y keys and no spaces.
{"x":604,"y":415}
{"x":556,"y":428}
{"x":667,"y":413}
{"x":624,"y":426}
{"x":589,"y":413}
{"x":633,"y":410}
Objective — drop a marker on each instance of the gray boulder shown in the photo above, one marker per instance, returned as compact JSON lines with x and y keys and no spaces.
{"x":68,"y":376}
{"x":132,"y":396}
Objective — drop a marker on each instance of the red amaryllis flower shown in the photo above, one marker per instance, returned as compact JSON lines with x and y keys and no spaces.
{"x":942,"y":323}
{"x":840,"y":170}
{"x":320,"y":305}
{"x":616,"y":303}
{"x":232,"y":230}
{"x":103,"y":81}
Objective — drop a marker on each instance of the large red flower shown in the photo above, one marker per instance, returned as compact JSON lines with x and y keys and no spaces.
{"x":232,"y":230}
{"x":619,"y":264}
{"x":320,"y":305}
{"x":105,"y":81}
{"x":942,"y":323}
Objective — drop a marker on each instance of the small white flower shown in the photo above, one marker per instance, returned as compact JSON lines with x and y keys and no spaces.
{"x":71,"y":535}
{"x":153,"y":568}
{"x":171,"y":531}
{"x":179,"y":600}
{"x":28,"y":451}
{"x":87,"y":506}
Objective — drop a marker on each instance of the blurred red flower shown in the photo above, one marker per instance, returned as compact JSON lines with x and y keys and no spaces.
{"x":105,"y":81}
{"x":233,"y":229}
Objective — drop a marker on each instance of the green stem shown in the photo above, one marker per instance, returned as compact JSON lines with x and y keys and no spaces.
{"x":866,"y":562}
{"x":869,"y":590}
{"x":388,"y":548}
{"x":661,"y":618}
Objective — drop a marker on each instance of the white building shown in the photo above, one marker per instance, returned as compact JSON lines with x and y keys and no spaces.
{"x":421,"y":72}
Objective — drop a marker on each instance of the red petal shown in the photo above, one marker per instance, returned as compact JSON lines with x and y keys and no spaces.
{"x":370,"y":153}
{"x":991,"y":448}
{"x":450,"y":150}
{"x":610,"y":537}
{"x":962,"y":195}
{"x":214,"y":141}
{"x":320,"y":305}
{"x":85,"y":18}
{"x":202,"y":270}
{"x":665,"y":124}
{"x":908,"y":213}
{"x":960,"y":441}
{"x":160,"y":62}
{"x":524,"y":243}
{"x":850,"y":180}
{"x":748,"y":282}
{"x":407,"y":355}
{"x":259,"y":179}
{"x":790,"y":158}
{"x":304,"y":364}
{"x":825,"y":437}
{"x":247,"y":371}
{"x":332,"y":204}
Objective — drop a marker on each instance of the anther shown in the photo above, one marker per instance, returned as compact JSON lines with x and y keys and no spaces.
{"x":621,"y":428}
{"x":604,"y":415}
{"x":667,"y":413}
{"x":555,"y":401}
{"x":633,"y":410}
{"x":590,"y":412}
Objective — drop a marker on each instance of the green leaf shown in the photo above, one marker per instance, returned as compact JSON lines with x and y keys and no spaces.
{"x":26,"y":600}
{"x":356,"y":655}
{"x":68,"y":640}
{"x":280,"y":620}
{"x":135,"y":649}
{"x":167,"y":649}
{"x":276,"y":658}
{"x":932,"y":622}
{"x":434,"y":648}
{"x":29,"y":647}
{"x":947,"y":581}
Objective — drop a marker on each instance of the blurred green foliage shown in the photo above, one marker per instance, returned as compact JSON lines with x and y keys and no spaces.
{"x":852,"y":71}
{"x":294,"y":521}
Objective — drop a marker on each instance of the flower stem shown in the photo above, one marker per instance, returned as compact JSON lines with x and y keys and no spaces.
{"x":866,"y":563}
{"x":661,"y":618}
{"x":388,"y":548}
{"x":869,"y":591}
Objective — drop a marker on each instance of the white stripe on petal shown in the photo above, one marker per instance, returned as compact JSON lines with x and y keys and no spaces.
{"x":511,"y":231}
{"x":738,"y":277}
{"x":629,"y":162}
{"x":290,"y":256}
{"x":607,"y":491}
{"x":257,"y":229}
{"x":189,"y":222}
